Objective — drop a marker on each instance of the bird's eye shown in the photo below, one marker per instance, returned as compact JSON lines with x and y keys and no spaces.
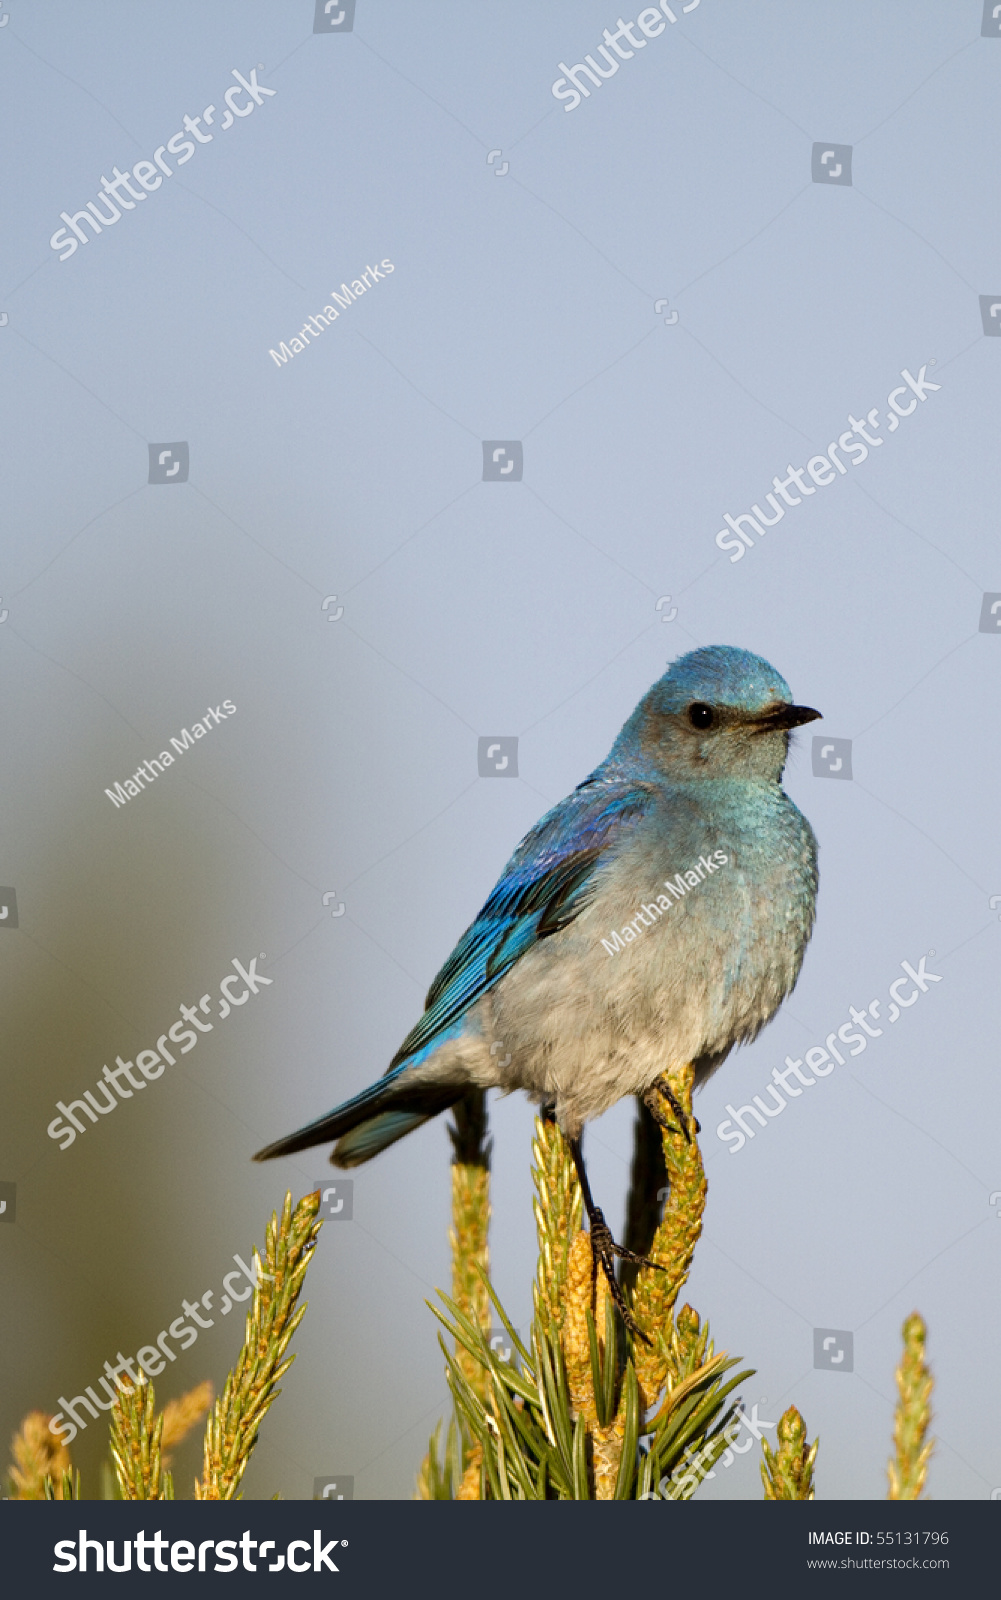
{"x":700,"y":715}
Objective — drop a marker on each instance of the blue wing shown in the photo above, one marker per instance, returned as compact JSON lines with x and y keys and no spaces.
{"x":546,"y":884}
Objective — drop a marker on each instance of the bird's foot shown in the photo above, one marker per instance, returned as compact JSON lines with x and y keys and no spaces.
{"x":603,"y":1253}
{"x":661,"y":1087}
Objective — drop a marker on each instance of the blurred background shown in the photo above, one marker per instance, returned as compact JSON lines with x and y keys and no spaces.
{"x":655,"y":295}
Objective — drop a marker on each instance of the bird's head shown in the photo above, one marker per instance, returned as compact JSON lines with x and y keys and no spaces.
{"x":718,"y":712}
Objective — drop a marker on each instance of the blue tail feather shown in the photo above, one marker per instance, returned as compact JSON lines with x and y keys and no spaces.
{"x":372,"y":1120}
{"x":375,"y":1135}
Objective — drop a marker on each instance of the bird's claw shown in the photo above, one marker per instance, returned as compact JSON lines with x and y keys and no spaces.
{"x":603,"y":1253}
{"x":661,"y":1087}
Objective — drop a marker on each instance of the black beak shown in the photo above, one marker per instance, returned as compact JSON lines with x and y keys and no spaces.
{"x":785,"y":716}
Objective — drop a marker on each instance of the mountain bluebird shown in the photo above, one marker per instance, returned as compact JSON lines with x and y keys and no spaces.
{"x":657,"y":916}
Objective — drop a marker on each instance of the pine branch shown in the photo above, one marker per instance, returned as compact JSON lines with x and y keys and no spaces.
{"x":136,"y":1435}
{"x":456,"y":1476}
{"x":656,"y":1292}
{"x":236,"y":1417}
{"x":443,"y":1480}
{"x":690,"y":1426}
{"x":563,"y":1420}
{"x":68,"y":1487}
{"x":909,"y":1471}
{"x":557,"y":1206}
{"x":181,"y":1415}
{"x":38,"y":1454}
{"x":787,"y":1471}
